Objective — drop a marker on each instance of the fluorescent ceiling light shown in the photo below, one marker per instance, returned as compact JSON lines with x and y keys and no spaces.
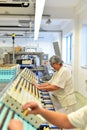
{"x":38,"y":16}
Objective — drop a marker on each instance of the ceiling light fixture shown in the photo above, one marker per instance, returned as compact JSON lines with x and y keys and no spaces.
{"x":48,"y":21}
{"x":38,"y":16}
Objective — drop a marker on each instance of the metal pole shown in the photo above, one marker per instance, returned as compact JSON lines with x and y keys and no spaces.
{"x":13,"y":36}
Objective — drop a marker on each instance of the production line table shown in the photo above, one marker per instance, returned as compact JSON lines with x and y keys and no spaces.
{"x":19,"y":92}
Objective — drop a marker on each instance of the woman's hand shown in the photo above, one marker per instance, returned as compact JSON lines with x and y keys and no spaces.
{"x":32,"y":107}
{"x":15,"y":124}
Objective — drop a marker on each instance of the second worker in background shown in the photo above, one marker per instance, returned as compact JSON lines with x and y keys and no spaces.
{"x":60,"y":85}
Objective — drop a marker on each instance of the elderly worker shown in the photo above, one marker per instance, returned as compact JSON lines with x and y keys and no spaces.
{"x":60,"y":85}
{"x":76,"y":119}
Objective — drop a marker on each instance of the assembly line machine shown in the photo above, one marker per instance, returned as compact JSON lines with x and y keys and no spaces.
{"x":18,"y":92}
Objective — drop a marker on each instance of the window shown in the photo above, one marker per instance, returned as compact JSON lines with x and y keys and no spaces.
{"x":84,"y":46}
{"x":67,"y":49}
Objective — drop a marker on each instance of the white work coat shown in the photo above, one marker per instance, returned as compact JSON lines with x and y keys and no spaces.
{"x":63,"y":80}
{"x":79,"y":118}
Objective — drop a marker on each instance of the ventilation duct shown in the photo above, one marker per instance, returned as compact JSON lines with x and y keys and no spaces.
{"x":27,"y":23}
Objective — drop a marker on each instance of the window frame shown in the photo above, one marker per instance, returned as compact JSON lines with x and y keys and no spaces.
{"x":68,"y":52}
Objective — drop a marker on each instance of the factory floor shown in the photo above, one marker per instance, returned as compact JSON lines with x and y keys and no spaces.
{"x":81,"y":101}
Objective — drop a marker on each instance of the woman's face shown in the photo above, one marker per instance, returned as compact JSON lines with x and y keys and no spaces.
{"x":56,"y":66}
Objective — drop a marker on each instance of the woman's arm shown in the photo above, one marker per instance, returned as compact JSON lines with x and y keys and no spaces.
{"x":49,"y":87}
{"x":55,"y":118}
{"x":43,"y":84}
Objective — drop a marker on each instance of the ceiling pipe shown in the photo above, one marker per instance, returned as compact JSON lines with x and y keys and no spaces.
{"x":14,"y":5}
{"x":25,"y":29}
{"x":44,"y":16}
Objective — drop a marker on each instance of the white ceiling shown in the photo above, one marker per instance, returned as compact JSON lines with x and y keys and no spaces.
{"x":62,"y":3}
{"x":20,"y":20}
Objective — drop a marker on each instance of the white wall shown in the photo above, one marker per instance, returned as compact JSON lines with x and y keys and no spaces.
{"x":79,"y":73}
{"x":82,"y":72}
